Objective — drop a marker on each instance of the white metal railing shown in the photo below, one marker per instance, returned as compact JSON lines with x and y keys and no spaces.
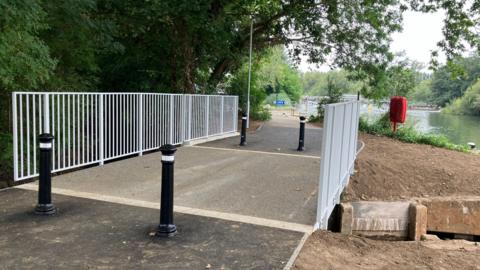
{"x":339,"y":151}
{"x":91,"y":128}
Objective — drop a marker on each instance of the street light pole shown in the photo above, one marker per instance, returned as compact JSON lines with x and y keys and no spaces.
{"x":249,"y":73}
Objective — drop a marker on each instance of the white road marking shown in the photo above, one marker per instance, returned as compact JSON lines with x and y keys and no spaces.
{"x":254,"y":151}
{"x":180,"y":209}
{"x":297,"y":250}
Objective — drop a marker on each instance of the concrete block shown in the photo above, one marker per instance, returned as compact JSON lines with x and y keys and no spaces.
{"x":429,"y":237}
{"x":381,"y":219}
{"x":417,"y":221}
{"x":346,"y":218}
{"x":459,"y":215}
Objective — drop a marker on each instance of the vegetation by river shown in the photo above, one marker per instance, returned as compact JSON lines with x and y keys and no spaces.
{"x":459,"y":129}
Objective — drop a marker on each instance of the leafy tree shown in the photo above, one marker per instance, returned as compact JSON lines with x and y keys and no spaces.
{"x":76,"y":37}
{"x":422,"y":92}
{"x":316,"y":83}
{"x":24,"y":57}
{"x":25,"y":63}
{"x":334,"y":95}
{"x":448,"y":84}
{"x":397,"y":78}
{"x":238,"y":84}
{"x":279,"y":76}
{"x":183,"y":46}
{"x":469,"y":103}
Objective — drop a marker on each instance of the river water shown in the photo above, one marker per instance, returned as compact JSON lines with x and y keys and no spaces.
{"x":460,"y":129}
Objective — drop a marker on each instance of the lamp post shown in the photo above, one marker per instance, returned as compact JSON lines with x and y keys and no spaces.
{"x":249,"y":72}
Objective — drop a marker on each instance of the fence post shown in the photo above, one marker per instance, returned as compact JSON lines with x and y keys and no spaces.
{"x":189,"y":117}
{"x":140,"y":124}
{"x":15,"y":137}
{"x":235,"y":114}
{"x":221,"y":115}
{"x":102,"y":128}
{"x":207,"y":115}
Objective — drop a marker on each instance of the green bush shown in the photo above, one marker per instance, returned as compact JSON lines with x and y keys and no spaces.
{"x":262,"y":114}
{"x":468,"y":104}
{"x":314,"y":118}
{"x":408,"y":134}
{"x":6,"y":158}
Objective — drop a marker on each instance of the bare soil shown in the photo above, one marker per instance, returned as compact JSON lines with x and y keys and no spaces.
{"x":388,"y":169}
{"x":326,"y":250}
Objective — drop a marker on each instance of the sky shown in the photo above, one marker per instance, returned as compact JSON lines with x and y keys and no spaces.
{"x":419,"y":37}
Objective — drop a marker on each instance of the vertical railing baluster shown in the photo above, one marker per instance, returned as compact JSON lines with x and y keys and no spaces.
{"x":140,"y":124}
{"x":15,"y":137}
{"x":27,"y":101}
{"x":63,"y":132}
{"x":207,"y":115}
{"x":171,"y":120}
{"x":101,"y":126}
{"x":221,"y":114}
{"x":34,"y":114}
{"x":58,"y":138}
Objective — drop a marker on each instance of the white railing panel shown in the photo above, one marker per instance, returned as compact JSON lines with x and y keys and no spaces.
{"x":90,"y":128}
{"x":339,"y":149}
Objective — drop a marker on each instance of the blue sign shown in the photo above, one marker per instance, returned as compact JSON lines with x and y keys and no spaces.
{"x":279,"y":102}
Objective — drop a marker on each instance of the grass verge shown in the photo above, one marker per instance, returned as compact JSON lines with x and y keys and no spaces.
{"x":408,"y":134}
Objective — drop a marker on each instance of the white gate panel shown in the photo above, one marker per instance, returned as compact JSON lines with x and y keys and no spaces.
{"x":339,"y":151}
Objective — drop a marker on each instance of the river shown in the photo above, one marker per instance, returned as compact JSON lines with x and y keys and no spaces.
{"x":460,"y":129}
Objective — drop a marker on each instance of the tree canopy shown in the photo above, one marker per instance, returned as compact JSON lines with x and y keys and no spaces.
{"x":447,"y":84}
{"x":196,"y":46}
{"x":316,"y":83}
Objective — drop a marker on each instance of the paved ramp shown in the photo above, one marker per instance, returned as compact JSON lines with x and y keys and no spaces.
{"x":91,"y":234}
{"x":279,"y":135}
{"x":268,"y":179}
{"x":265,"y":185}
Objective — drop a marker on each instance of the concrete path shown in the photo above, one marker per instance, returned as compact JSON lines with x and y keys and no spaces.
{"x":265,"y":185}
{"x":279,"y":135}
{"x":90,"y":234}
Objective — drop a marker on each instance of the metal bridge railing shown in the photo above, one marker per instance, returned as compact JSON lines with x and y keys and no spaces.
{"x":91,"y":128}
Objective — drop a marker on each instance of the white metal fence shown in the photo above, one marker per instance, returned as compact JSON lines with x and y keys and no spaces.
{"x":91,"y":128}
{"x":339,"y":151}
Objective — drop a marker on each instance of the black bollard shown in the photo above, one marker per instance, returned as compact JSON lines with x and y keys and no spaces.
{"x":45,"y":206}
{"x":166,"y":227}
{"x":301,"y":139}
{"x":243,"y":135}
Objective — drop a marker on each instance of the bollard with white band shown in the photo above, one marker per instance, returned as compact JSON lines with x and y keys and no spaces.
{"x":243,"y":135}
{"x":301,"y":139}
{"x":167,"y":228}
{"x":45,"y":205}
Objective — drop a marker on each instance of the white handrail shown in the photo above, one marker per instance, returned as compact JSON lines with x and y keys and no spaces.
{"x":91,"y":128}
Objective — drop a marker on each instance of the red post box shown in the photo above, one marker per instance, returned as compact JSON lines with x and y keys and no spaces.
{"x":398,"y":111}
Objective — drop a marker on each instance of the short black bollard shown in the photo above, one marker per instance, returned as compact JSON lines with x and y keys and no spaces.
{"x":243,"y":135}
{"x":301,"y":139}
{"x":45,"y":206}
{"x":166,"y":227}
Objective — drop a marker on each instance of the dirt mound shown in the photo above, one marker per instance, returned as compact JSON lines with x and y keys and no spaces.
{"x":388,"y":169}
{"x":326,"y":250}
